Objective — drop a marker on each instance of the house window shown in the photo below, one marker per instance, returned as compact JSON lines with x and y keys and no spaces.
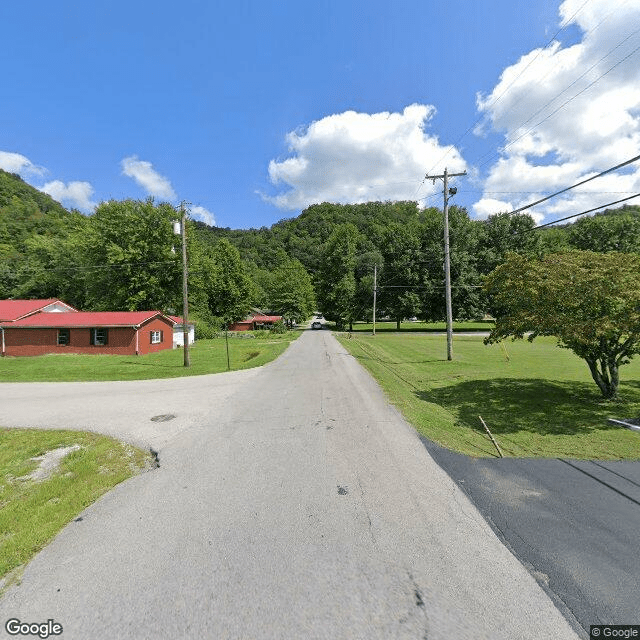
{"x":156,"y":337}
{"x":63,"y":336}
{"x":99,"y":337}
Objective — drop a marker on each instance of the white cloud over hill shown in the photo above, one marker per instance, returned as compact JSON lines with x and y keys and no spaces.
{"x":568,"y":113}
{"x":355,"y":157}
{"x":143,"y":173}
{"x":75,"y":194}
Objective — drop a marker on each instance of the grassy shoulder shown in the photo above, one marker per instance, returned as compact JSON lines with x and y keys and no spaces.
{"x":537,"y":399}
{"x":33,"y":511}
{"x":420,"y":327}
{"x":207,"y":356}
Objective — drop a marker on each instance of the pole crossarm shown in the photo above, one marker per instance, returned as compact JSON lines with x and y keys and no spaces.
{"x":448,"y":175}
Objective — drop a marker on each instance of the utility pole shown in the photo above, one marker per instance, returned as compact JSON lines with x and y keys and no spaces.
{"x":447,"y":264}
{"x":375,"y":291}
{"x":185,"y":296}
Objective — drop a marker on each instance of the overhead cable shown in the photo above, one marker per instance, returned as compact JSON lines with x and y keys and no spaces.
{"x":582,"y":213}
{"x":557,"y":193}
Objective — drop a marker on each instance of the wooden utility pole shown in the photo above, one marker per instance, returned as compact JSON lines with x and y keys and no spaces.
{"x":447,"y":264}
{"x":185,"y":294}
{"x":375,"y":291}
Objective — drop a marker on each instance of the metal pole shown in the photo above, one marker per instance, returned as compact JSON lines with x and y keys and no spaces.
{"x":447,"y":272}
{"x":375,"y":291}
{"x":185,"y":296}
{"x":226,"y":339}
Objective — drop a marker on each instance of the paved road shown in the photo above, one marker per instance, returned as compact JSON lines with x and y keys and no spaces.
{"x":291,"y":502}
{"x":575,"y":523}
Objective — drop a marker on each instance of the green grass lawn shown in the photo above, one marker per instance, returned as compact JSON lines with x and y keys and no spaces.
{"x":207,"y":356}
{"x":537,"y":399}
{"x":31,"y":512}
{"x":387,"y":327}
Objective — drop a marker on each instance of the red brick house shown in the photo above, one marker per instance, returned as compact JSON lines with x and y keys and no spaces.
{"x":254,"y":322}
{"x":110,"y":332}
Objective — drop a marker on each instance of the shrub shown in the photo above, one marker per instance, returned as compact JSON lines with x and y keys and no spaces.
{"x":279,"y":327}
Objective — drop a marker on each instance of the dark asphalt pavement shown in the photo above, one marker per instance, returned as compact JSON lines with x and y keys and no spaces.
{"x":575,"y":524}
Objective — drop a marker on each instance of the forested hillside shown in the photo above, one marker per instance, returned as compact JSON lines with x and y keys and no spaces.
{"x":125,"y":256}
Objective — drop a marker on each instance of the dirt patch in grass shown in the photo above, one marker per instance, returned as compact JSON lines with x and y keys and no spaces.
{"x":37,"y":502}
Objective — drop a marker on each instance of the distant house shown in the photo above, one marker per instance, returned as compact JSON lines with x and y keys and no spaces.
{"x":112,"y":332}
{"x":178,"y":332}
{"x":254,"y":322}
{"x":13,"y":310}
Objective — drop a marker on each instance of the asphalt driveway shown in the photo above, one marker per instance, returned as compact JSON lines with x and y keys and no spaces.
{"x":574,"y":523}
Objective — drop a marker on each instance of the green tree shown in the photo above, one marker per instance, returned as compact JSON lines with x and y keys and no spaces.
{"x":230,"y":290}
{"x":399,"y":279}
{"x":291,"y":292}
{"x":337,"y":283}
{"x":606,"y":233}
{"x":589,"y":301}
{"x":466,"y":298}
{"x":363,"y":297}
{"x":128,"y":250}
{"x":503,"y":233}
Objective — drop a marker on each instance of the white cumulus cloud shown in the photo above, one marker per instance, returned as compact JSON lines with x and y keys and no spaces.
{"x":75,"y":194}
{"x":568,"y":113}
{"x":355,"y":157}
{"x":147,"y":177}
{"x":17,"y":163}
{"x":204,"y":215}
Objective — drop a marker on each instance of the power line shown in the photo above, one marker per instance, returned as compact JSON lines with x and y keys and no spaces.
{"x":498,"y":98}
{"x":543,"y":77}
{"x":553,"y":195}
{"x":92,"y":267}
{"x":575,"y":215}
{"x":564,"y":104}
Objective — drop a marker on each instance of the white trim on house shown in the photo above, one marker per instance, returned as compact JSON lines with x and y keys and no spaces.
{"x":57,"y":307}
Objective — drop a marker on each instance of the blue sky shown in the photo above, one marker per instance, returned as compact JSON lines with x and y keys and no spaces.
{"x":253,"y":110}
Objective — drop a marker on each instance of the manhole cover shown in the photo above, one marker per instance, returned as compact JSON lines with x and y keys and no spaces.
{"x":165,"y":417}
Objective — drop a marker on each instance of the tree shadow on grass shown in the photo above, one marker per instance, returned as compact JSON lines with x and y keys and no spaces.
{"x":511,"y":405}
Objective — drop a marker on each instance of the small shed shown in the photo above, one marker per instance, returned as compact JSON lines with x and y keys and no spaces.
{"x":107,"y":332}
{"x":178,"y":332}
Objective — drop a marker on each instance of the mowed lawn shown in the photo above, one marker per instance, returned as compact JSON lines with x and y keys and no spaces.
{"x":386,"y":326}
{"x":207,"y":356}
{"x":537,"y":399}
{"x":34,"y":510}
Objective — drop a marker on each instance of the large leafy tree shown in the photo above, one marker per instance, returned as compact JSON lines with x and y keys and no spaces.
{"x":337,"y":282}
{"x":230,"y":290}
{"x":366,"y":261}
{"x":129,"y":257}
{"x":503,"y":233}
{"x":589,"y":301}
{"x":465,"y":281}
{"x":399,"y":280}
{"x":608,"y":232}
{"x":291,"y":292}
